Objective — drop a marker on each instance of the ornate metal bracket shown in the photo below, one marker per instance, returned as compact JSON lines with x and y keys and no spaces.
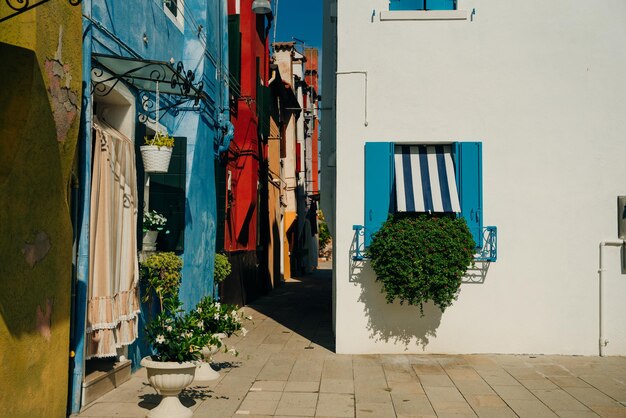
{"x":358,"y":243}
{"x":489,"y":252}
{"x":148,"y":105}
{"x":21,"y":6}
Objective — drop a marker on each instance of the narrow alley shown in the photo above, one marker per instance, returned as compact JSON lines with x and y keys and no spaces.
{"x":286,"y":367}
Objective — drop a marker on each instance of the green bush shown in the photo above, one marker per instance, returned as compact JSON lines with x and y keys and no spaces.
{"x":222,"y":268}
{"x":161,"y":272}
{"x":421,"y":258}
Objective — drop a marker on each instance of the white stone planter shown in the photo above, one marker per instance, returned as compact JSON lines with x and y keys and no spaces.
{"x":149,"y":240}
{"x":169,"y":379}
{"x":155,"y":159}
{"x":205,"y":372}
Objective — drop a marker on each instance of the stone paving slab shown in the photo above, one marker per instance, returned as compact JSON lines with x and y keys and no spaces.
{"x":287,"y":368}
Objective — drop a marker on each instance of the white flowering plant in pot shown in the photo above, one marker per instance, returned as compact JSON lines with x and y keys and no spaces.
{"x":176,"y":335}
{"x":153,"y":221}
{"x":220,"y":318}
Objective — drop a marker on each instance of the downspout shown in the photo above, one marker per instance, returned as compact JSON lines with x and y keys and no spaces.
{"x":82,"y":264}
{"x":601,"y":341}
{"x":224,"y":119}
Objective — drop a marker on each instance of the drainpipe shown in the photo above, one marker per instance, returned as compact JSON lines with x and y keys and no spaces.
{"x":601,"y":341}
{"x":82,"y":264}
{"x":224,"y":119}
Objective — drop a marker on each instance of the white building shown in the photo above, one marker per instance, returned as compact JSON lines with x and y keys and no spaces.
{"x":540,"y":85}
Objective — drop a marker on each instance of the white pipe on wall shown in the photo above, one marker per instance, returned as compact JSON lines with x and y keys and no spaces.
{"x":601,"y":341}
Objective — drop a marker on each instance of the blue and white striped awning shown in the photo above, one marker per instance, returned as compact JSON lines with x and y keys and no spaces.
{"x":425,"y":179}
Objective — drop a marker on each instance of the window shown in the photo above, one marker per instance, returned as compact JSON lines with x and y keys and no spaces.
{"x":422,"y":4}
{"x":175,"y":10}
{"x":442,"y":178}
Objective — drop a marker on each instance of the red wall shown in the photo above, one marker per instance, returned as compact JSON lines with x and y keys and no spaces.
{"x":243,"y":156}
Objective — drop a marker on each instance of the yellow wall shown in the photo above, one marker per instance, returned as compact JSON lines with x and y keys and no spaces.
{"x":41,"y":75}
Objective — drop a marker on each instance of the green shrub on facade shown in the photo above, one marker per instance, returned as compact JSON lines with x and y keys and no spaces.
{"x":421,"y":258}
{"x":222,"y":268}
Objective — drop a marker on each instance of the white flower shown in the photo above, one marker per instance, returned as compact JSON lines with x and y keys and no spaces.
{"x":218,"y":305}
{"x":169,"y":328}
{"x":232,"y":351}
{"x":216,"y":316}
{"x":244,"y":331}
{"x":201,"y":324}
{"x":199,"y":310}
{"x":233,"y":313}
{"x":189,"y":335}
{"x":160,"y":339}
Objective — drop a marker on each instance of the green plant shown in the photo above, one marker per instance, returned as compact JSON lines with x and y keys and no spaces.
{"x":176,"y":335}
{"x":220,"y":318}
{"x":324,"y":233}
{"x":153,"y":221}
{"x":161,"y":272}
{"x":421,"y":258}
{"x":222,"y":268}
{"x":160,"y":140}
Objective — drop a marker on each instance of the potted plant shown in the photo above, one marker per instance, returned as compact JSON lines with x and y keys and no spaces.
{"x":220,"y":321}
{"x":176,"y":337}
{"x":421,"y":258}
{"x":153,"y":223}
{"x":157,"y":152}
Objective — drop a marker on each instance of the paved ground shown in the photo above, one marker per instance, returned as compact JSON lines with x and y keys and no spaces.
{"x":287,"y":368}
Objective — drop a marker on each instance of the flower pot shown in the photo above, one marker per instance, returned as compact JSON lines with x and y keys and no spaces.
{"x":149,"y":240}
{"x":205,"y":372}
{"x":169,"y":379}
{"x":155,"y":159}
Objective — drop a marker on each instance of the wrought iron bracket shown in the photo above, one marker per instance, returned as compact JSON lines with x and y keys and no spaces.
{"x":21,"y":6}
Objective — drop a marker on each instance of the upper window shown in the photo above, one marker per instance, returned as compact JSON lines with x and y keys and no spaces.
{"x":175,"y":10}
{"x":422,"y":4}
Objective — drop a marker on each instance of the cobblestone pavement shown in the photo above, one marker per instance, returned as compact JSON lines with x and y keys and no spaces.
{"x":287,"y":368}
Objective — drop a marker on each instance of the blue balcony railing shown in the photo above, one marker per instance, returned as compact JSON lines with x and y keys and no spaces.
{"x":489,"y":251}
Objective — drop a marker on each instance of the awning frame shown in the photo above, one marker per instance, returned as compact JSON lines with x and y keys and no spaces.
{"x":176,"y":86}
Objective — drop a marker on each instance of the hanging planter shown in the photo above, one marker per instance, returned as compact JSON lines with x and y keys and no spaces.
{"x":157,"y":152}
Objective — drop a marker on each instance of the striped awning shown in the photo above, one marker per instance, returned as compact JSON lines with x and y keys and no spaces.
{"x":425,"y":179}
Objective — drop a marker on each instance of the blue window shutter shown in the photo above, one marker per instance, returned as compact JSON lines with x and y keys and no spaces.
{"x":378,"y":185}
{"x":470,"y":182}
{"x":406,"y":4}
{"x":440,"y":4}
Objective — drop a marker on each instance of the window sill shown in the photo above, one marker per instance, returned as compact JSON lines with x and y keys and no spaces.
{"x":423,"y":15}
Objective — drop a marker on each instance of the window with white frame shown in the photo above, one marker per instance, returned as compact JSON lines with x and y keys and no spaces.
{"x":175,"y":10}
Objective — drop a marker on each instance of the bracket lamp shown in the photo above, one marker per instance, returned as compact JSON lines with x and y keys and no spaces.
{"x":261,"y":7}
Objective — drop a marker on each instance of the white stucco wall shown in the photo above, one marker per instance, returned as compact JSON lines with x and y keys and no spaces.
{"x":541,"y":84}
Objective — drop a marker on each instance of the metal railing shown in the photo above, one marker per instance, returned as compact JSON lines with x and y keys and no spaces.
{"x":489,"y":251}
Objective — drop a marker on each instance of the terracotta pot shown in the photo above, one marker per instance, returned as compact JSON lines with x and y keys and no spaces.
{"x":169,"y":378}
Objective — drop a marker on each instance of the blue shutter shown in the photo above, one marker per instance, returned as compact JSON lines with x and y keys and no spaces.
{"x":440,"y":5}
{"x":378,"y":185}
{"x":406,"y":4}
{"x":470,"y":182}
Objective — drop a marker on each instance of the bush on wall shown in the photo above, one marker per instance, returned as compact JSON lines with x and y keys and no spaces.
{"x":419,"y":258}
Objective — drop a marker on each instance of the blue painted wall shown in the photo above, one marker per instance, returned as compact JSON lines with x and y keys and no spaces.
{"x":118,"y":28}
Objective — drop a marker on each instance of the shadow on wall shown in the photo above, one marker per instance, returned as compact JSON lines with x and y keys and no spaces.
{"x":34,"y":218}
{"x":391,"y":323}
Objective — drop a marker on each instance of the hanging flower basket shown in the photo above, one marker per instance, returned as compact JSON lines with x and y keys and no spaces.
{"x":155,"y":159}
{"x":157,"y":152}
